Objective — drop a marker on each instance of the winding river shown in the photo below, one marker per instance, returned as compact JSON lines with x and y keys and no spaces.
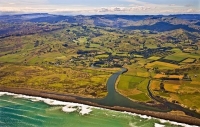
{"x":114,"y":98}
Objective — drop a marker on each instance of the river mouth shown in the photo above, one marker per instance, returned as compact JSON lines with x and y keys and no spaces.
{"x":114,"y":98}
{"x":132,"y":107}
{"x":17,"y":107}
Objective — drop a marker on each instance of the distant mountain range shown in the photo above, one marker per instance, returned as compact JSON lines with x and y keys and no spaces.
{"x":157,"y":23}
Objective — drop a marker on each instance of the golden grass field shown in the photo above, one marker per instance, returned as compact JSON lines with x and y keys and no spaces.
{"x":189,"y":60}
{"x":159,"y":76}
{"x":155,"y":85}
{"x":172,"y":87}
{"x":187,"y":93}
{"x":154,"y":58}
{"x":82,"y":82}
{"x":162,"y":65}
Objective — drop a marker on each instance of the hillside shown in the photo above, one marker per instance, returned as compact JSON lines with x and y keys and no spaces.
{"x":77,"y":54}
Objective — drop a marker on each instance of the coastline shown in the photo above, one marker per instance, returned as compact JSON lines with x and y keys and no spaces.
{"x":69,"y":98}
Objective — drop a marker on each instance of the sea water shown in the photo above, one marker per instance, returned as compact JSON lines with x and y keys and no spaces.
{"x":26,"y":111}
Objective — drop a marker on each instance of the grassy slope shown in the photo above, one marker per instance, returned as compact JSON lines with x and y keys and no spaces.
{"x":52,"y":78}
{"x":23,"y":65}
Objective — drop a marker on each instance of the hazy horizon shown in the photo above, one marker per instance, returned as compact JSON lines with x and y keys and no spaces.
{"x":91,"y":7}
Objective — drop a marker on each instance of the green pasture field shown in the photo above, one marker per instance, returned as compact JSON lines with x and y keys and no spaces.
{"x":137,"y":70}
{"x":129,"y":82}
{"x":143,"y":85}
{"x":179,"y":55}
{"x":140,"y":97}
{"x":133,"y":87}
{"x":176,"y":57}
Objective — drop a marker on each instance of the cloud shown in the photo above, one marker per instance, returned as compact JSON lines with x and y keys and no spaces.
{"x":137,"y":2}
{"x":133,"y":7}
{"x":23,"y":2}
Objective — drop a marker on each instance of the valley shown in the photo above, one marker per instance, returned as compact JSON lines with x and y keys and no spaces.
{"x":76,"y":55}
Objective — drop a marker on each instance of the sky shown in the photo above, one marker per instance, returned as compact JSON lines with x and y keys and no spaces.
{"x":89,"y":7}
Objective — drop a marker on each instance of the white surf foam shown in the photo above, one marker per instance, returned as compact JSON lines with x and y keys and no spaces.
{"x":6,"y":93}
{"x":144,"y":116}
{"x":53,"y":102}
{"x":141,"y":116}
{"x":69,"y":109}
{"x":175,"y":123}
{"x":85,"y":109}
{"x":68,"y":106}
{"x":158,"y":125}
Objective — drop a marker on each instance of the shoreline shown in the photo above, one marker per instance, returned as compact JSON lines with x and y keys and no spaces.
{"x":67,"y":98}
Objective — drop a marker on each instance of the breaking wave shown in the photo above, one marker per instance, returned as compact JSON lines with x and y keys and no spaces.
{"x":68,"y":106}
{"x":82,"y":109}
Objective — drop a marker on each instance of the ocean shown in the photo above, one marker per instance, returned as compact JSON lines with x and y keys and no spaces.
{"x":26,"y":111}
